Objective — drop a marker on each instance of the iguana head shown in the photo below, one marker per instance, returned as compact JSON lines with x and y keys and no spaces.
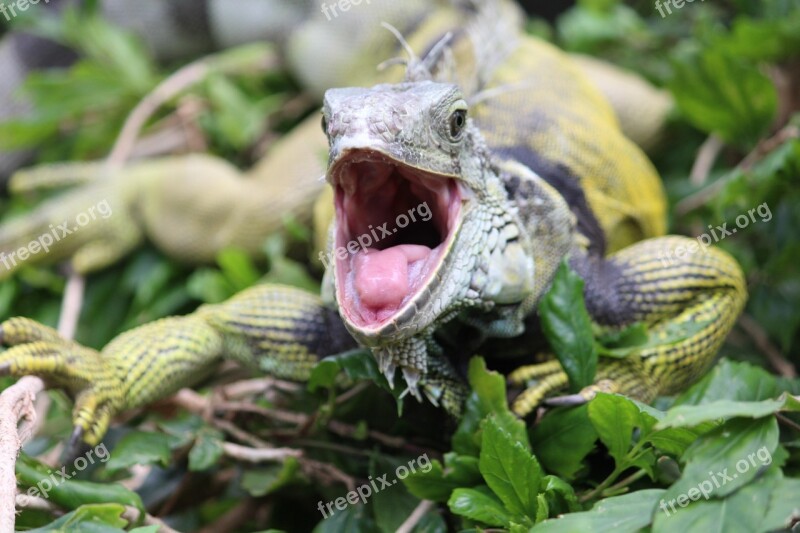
{"x":423,"y":228}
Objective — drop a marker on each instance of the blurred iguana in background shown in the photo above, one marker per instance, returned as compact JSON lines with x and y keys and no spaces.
{"x":192,"y":207}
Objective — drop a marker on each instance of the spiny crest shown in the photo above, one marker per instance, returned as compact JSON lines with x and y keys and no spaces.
{"x":421,"y":69}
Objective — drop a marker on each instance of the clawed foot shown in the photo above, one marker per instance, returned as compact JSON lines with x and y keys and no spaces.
{"x":38,"y":350}
{"x":545,"y":378}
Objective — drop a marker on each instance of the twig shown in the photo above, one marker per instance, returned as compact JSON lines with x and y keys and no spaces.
{"x":416,"y":515}
{"x":71,"y":305}
{"x":787,"y":421}
{"x":627,"y":481}
{"x":35,"y":502}
{"x":168,"y":89}
{"x":258,"y":455}
{"x":132,"y":515}
{"x":234,"y":519}
{"x":784,"y":367}
{"x":767,"y":146}
{"x":242,"y":389}
{"x":326,"y":473}
{"x":706,"y":156}
{"x":240,"y":434}
{"x":352,"y":391}
{"x":764,"y":148}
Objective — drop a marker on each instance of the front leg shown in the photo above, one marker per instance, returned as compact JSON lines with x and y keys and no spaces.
{"x":281,"y":330}
{"x":689,"y":302}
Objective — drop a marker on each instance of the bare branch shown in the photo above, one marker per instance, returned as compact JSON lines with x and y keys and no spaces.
{"x":17,"y":418}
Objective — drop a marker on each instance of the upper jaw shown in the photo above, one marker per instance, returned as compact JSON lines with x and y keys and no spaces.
{"x":394,"y":227}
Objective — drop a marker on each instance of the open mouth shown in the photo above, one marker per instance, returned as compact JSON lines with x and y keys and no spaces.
{"x":394,"y":225}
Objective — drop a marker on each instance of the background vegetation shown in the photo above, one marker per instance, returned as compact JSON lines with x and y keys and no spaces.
{"x":733,"y":68}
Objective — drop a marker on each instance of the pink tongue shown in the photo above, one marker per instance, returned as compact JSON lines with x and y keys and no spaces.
{"x":381,"y":276}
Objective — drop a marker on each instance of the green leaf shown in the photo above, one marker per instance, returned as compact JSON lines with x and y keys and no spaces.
{"x":70,"y":494}
{"x":285,"y":271}
{"x":431,"y":485}
{"x":560,"y":496}
{"x":488,"y":396}
{"x":91,"y":518}
{"x":691,"y":415}
{"x":568,"y":328}
{"x":784,"y":505}
{"x":728,"y":457}
{"x":393,"y":506}
{"x":614,"y":418}
{"x":206,"y":451}
{"x":354,"y":518}
{"x":262,"y":481}
{"x":744,"y":511}
{"x":730,"y":380}
{"x":722,"y":93}
{"x":140,"y":448}
{"x":357,"y":364}
{"x":438,"y":483}
{"x":630,"y":512}
{"x":623,"y":342}
{"x":238,"y":268}
{"x":583,"y":30}
{"x":510,"y":470}
{"x":563,"y":439}
{"x":479,"y":504}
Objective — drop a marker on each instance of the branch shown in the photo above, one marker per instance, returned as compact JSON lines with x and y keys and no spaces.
{"x":258,"y":455}
{"x":784,"y":367}
{"x":704,"y":162}
{"x":246,"y":58}
{"x":413,"y":519}
{"x":16,"y":405}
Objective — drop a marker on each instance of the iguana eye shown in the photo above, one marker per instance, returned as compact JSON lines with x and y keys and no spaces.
{"x":324,"y":124}
{"x":458,"y":120}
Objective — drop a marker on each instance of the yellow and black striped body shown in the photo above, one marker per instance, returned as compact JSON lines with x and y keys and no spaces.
{"x":549,"y":118}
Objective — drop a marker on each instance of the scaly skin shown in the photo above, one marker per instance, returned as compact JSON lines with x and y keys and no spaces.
{"x":191,"y":207}
{"x":280,"y":330}
{"x":539,"y":185}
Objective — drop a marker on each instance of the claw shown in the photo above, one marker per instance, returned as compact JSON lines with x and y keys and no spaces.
{"x":75,"y":442}
{"x":568,"y":400}
{"x":386,"y":365}
{"x":433,"y":393}
{"x":412,"y":376}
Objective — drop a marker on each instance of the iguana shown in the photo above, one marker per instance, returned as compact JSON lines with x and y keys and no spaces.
{"x":528,"y":172}
{"x":193,"y":206}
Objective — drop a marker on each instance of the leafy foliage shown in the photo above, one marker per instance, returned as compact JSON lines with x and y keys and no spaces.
{"x":724,"y":455}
